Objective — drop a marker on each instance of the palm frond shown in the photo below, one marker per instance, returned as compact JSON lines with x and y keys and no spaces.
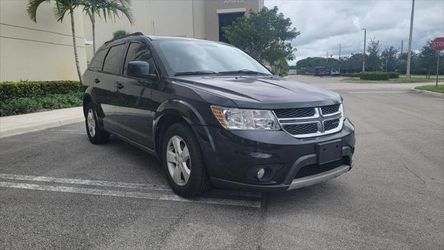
{"x":32,"y":7}
{"x":108,"y":8}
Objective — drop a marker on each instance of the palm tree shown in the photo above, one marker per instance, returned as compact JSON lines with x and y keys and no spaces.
{"x":105,"y":8}
{"x":62,"y":8}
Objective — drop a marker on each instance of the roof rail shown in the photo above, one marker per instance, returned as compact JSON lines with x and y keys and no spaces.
{"x":132,"y":34}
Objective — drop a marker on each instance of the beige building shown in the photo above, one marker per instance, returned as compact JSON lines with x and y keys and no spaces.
{"x":43,"y":50}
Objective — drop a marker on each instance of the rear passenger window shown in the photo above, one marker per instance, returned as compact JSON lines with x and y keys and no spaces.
{"x":139,"y":52}
{"x":97,"y":62}
{"x":114,"y":60}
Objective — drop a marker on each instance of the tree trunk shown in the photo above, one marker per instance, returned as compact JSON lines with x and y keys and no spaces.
{"x":74,"y":44}
{"x":93,"y":23}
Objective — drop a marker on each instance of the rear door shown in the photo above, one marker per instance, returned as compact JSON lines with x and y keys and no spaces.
{"x":136,"y":110}
{"x":111,"y":80}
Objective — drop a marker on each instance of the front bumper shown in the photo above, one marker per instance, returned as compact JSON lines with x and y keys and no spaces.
{"x":233,"y":157}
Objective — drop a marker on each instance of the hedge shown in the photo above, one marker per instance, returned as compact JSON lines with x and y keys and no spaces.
{"x":393,"y":75}
{"x":377,"y":76}
{"x":23,"y":105}
{"x":10,"y":90}
{"x":352,"y":74}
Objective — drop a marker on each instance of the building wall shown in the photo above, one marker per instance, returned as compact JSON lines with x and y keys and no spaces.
{"x":37,"y":51}
{"x":43,"y":50}
{"x":187,"y":18}
{"x":153,"y":17}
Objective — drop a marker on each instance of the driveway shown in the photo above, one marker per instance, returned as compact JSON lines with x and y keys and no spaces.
{"x":59,"y":191}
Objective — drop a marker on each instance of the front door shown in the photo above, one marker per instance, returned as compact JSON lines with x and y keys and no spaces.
{"x":135,"y":112}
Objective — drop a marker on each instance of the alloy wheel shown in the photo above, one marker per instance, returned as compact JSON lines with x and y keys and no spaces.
{"x":91,"y":123}
{"x":178,"y":160}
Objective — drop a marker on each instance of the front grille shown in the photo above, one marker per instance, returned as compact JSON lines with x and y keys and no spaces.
{"x":309,"y":122}
{"x":301,"y":129}
{"x":331,"y":124}
{"x":330,"y":109}
{"x":294,"y":113}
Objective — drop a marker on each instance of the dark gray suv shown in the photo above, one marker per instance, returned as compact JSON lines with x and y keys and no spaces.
{"x":214,"y":116}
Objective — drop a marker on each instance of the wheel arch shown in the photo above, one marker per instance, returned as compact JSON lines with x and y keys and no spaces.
{"x":171,"y":112}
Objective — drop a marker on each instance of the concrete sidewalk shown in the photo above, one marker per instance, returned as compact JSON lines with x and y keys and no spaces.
{"x":20,"y":124}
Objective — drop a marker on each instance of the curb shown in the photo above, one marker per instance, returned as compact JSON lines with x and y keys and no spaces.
{"x":426,"y":92}
{"x":21,"y":124}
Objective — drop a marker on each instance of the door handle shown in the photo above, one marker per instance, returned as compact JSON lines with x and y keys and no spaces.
{"x":119,"y":85}
{"x":96,"y":80}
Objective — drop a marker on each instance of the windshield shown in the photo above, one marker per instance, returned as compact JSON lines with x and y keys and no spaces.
{"x":194,"y":57}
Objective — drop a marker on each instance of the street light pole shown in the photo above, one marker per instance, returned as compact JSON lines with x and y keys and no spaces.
{"x":363,"y":52}
{"x":339,"y":58}
{"x":409,"y":55}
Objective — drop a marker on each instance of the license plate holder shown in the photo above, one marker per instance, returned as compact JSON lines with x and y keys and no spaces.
{"x":329,"y":151}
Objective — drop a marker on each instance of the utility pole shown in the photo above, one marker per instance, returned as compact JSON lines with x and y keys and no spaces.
{"x":402,"y":47}
{"x":339,"y":58}
{"x":409,"y":55}
{"x":363,"y":52}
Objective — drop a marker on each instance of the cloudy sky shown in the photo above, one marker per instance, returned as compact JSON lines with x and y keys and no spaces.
{"x":324,"y":24}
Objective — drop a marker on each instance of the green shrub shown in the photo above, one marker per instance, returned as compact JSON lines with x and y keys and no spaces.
{"x":352,"y":74}
{"x":10,"y":90}
{"x":393,"y":75}
{"x":22,"y":105}
{"x":377,"y":76}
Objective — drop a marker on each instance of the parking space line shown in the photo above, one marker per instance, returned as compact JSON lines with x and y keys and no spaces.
{"x":125,"y":194}
{"x":83,"y":182}
{"x":378,"y":92}
{"x":157,"y":187}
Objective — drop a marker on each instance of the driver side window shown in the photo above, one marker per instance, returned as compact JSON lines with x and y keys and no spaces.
{"x":139,"y":52}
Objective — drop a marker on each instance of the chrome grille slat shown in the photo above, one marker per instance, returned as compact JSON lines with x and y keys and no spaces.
{"x":303,"y":128}
{"x":310,"y":122}
{"x":295,"y":113}
{"x":330,"y":109}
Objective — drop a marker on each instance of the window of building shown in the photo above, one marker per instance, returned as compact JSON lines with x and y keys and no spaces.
{"x":113,"y":61}
{"x":226,"y":19}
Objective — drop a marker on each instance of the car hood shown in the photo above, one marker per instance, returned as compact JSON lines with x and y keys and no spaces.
{"x":259,"y":92}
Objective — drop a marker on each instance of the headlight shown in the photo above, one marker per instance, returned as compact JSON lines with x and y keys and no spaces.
{"x":233,"y":118}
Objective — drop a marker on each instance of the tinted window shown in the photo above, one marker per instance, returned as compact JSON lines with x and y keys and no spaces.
{"x":139,"y":52}
{"x":192,"y":55}
{"x":114,"y":59}
{"x":97,"y":61}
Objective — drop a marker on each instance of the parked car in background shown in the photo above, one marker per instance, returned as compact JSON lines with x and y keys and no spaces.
{"x":321,"y":71}
{"x":214,"y":116}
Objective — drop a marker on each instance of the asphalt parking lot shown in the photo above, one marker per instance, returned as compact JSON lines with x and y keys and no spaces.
{"x":59,"y":191}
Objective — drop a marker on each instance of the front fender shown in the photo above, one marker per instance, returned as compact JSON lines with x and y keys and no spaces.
{"x":185,"y":111}
{"x":182,"y":109}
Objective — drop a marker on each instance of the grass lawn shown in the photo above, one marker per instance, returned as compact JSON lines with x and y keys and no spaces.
{"x":433,"y":88}
{"x":401,"y":79}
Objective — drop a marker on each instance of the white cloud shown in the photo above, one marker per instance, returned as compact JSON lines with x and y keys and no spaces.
{"x":324,"y":24}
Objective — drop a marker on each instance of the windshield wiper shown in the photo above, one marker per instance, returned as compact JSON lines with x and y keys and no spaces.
{"x":198,"y":72}
{"x":243,"y":71}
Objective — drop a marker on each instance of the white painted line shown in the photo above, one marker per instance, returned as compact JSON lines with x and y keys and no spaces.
{"x":378,"y":92}
{"x":158,"y":187}
{"x":84,"y":182}
{"x":137,"y":195}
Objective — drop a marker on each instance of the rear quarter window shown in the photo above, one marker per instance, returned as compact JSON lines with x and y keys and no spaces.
{"x":114,"y":59}
{"x":97,"y":61}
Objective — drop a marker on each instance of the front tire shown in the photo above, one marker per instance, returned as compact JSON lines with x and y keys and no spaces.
{"x":96,"y":134}
{"x":183,"y":161}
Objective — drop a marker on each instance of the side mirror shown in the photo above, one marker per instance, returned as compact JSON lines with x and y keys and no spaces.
{"x":139,"y":69}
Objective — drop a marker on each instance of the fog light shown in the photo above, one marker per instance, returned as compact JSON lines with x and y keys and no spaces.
{"x":260,"y":173}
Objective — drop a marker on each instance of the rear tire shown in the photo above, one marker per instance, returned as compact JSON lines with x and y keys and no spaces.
{"x":183,"y":161}
{"x":96,"y":134}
